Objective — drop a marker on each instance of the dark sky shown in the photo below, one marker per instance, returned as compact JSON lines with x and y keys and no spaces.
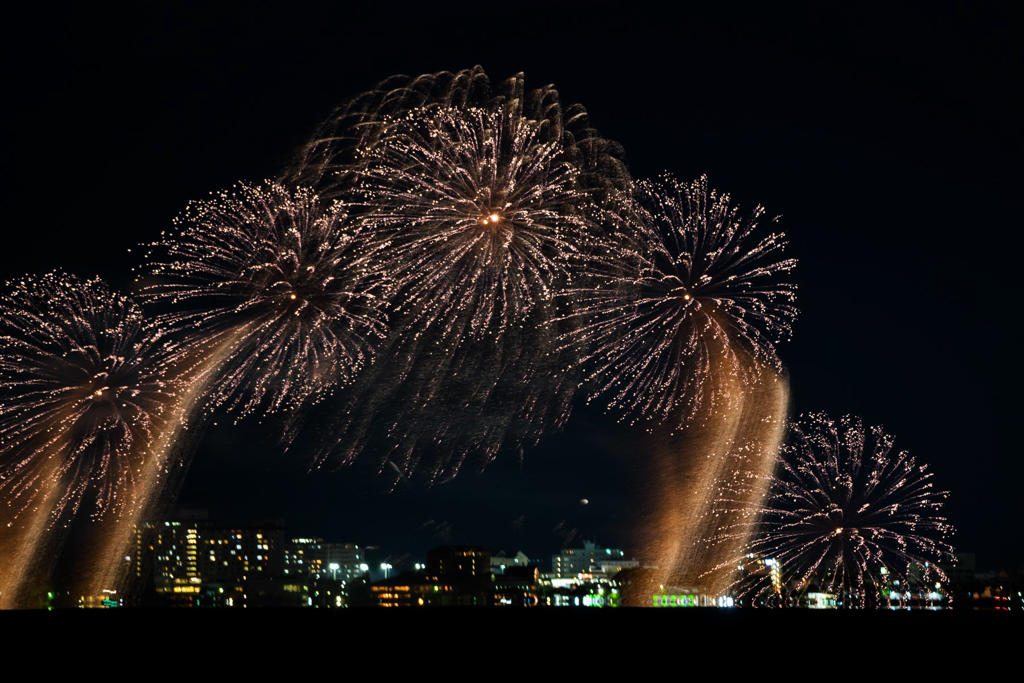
{"x":888,"y":140}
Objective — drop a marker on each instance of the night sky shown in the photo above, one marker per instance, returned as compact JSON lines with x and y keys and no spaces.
{"x":890,"y":143}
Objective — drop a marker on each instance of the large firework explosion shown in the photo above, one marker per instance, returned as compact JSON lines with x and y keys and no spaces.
{"x":279,"y":277}
{"x":477,"y":199}
{"x":843,"y":510}
{"x":480,"y":216}
{"x":85,"y":391}
{"x":686,"y":288}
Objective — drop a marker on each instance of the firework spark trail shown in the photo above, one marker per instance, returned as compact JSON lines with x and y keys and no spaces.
{"x":842,"y":509}
{"x":28,"y":542}
{"x":424,"y":410}
{"x":282,"y":275}
{"x":84,"y":392}
{"x":688,"y":464}
{"x":477,"y":202}
{"x":160,"y":477}
{"x":684,"y":276}
{"x":330,"y":160}
{"x":753,"y":452}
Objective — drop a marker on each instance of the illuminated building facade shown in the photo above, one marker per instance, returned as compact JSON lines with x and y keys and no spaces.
{"x":455,"y":576}
{"x":817,"y":600}
{"x":417,"y":591}
{"x":585,"y":592}
{"x":459,"y":563}
{"x":609,"y":568}
{"x":684,"y":596}
{"x":303,"y":556}
{"x":517,"y":587}
{"x":311,"y":556}
{"x":344,"y":561}
{"x":571,"y":562}
{"x":501,"y":562}
{"x":198,"y":563}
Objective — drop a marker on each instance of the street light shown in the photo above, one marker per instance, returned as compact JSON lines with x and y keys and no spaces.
{"x":386,"y":567}
{"x":334,"y":567}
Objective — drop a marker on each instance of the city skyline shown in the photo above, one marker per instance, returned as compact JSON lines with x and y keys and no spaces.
{"x":191,"y":560}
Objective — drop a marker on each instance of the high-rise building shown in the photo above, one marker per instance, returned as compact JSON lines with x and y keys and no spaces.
{"x":193,"y":558}
{"x":459,"y":563}
{"x":311,"y":556}
{"x":303,"y":556}
{"x":344,"y":561}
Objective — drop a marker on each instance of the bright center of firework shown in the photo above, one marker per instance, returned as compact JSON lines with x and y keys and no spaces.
{"x":98,"y":392}
{"x":291,"y":296}
{"x":839,"y":530}
{"x":681,"y":293}
{"x":492,"y":218}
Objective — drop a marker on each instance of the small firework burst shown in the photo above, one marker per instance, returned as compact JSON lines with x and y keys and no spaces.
{"x":684,"y":289}
{"x":280,"y":280}
{"x":843,"y":511}
{"x":481,"y":218}
{"x":85,"y":393}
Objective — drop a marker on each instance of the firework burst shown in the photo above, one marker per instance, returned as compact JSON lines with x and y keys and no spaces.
{"x":282,"y":280}
{"x":684,"y":289}
{"x":85,"y":392}
{"x":481,"y":217}
{"x":843,"y":510}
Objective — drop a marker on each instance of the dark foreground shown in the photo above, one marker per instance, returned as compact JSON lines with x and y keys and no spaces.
{"x":130,"y":634}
